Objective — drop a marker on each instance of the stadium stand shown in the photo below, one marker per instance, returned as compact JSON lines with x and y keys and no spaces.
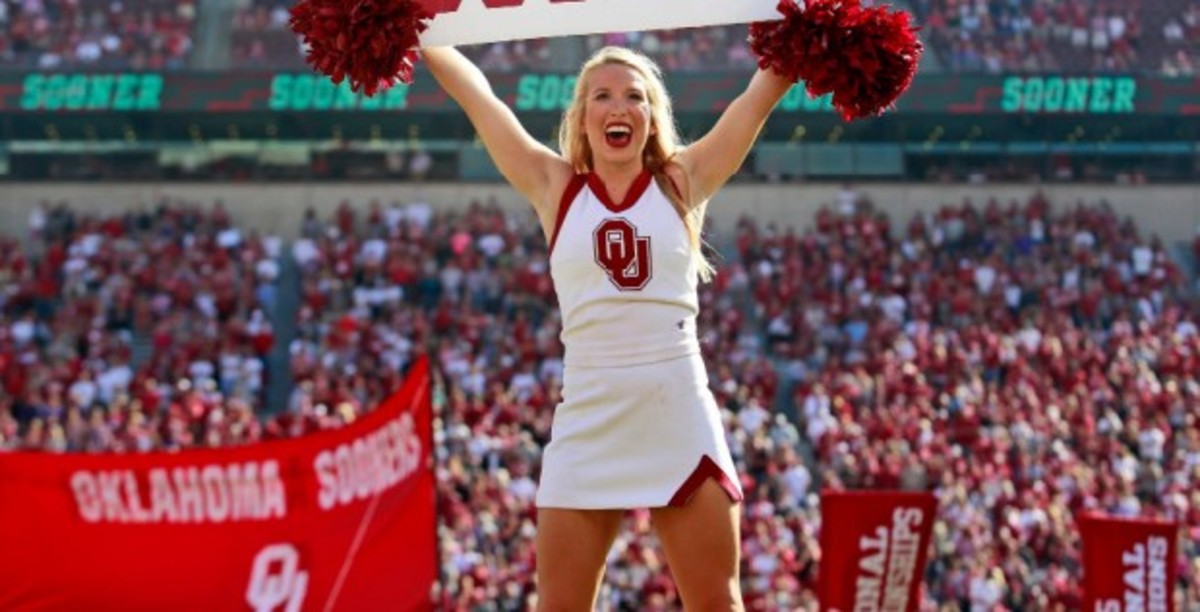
{"x":1021,"y":360}
{"x":1022,"y":36}
{"x":1051,"y":35}
{"x":261,"y":38}
{"x":137,"y":332}
{"x":97,"y":35}
{"x":1022,"y":364}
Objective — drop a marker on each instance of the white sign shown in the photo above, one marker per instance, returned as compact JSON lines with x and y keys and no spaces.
{"x":480,"y":21}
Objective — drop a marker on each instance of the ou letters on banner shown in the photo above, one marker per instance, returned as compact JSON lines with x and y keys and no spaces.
{"x":338,"y":520}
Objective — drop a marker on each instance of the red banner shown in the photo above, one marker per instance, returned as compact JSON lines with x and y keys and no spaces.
{"x":873,"y":549}
{"x":1128,"y":564}
{"x":340,"y":520}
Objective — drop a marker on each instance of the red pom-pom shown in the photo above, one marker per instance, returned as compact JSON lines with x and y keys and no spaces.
{"x":866,"y":56}
{"x":371,"y":42}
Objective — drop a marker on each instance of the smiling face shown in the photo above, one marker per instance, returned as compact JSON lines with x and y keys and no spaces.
{"x":617,"y":114}
{"x":624,"y":90}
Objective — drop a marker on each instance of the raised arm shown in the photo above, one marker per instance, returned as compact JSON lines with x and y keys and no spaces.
{"x":531,"y":167}
{"x":711,"y":160}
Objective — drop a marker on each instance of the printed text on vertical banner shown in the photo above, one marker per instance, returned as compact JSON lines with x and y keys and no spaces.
{"x":1128,"y":564}
{"x":339,"y":520}
{"x":873,"y":549}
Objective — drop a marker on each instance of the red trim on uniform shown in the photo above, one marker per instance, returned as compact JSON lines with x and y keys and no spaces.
{"x":568,"y":196}
{"x":705,"y":470}
{"x":631,"y":197}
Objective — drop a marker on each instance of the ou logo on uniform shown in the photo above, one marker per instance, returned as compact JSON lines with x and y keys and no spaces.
{"x":623,"y":255}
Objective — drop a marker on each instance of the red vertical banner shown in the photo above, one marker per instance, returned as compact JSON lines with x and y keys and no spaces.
{"x":338,"y":520}
{"x":873,"y":549}
{"x":1128,"y":564}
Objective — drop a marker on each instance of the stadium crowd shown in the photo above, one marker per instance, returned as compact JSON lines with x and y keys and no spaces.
{"x":261,"y":38}
{"x":96,"y":35}
{"x":967,"y":36}
{"x":1052,"y":35}
{"x":1023,"y":362}
{"x":137,"y":332}
{"x":1023,"y":365}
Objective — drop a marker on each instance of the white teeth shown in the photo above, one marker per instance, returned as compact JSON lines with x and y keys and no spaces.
{"x":619,"y":130}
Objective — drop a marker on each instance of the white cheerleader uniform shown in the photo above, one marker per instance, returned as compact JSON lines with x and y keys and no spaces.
{"x":638,"y":426}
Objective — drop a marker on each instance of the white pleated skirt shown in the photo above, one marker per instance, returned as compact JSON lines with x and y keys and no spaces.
{"x":643,"y":436}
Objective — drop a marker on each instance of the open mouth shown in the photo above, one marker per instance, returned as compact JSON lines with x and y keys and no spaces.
{"x":618,"y":135}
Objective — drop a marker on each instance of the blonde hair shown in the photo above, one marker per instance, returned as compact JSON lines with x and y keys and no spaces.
{"x":660,"y":150}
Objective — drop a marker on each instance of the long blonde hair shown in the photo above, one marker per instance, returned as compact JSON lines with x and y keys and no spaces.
{"x":660,"y":152}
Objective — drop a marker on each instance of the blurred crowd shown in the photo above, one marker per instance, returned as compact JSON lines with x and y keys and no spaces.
{"x":967,"y":36}
{"x":1023,"y":364}
{"x":1022,"y":361}
{"x":1002,"y":36}
{"x":137,"y":332}
{"x":96,"y":34}
{"x":261,"y":38}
